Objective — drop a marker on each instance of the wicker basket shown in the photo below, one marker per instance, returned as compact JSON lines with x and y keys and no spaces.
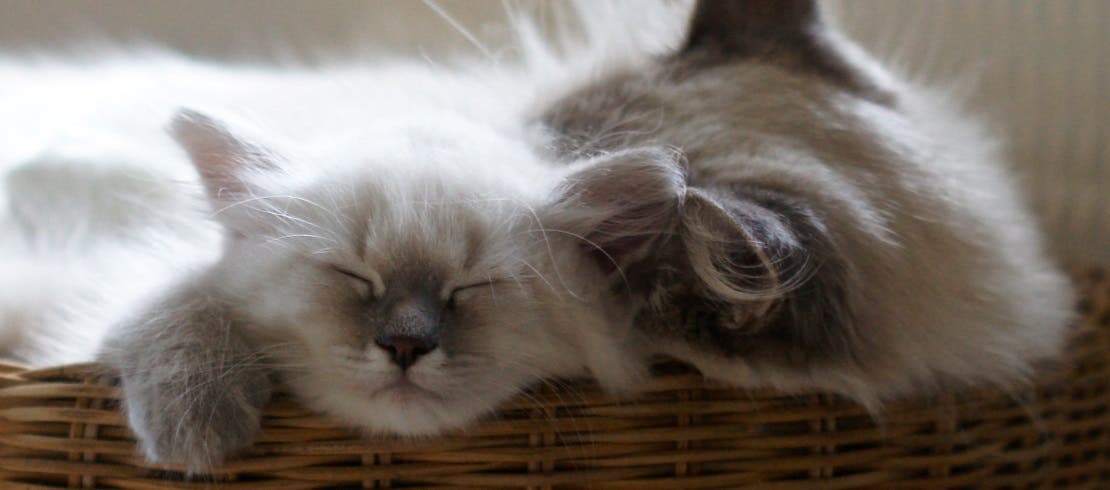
{"x":60,"y":427}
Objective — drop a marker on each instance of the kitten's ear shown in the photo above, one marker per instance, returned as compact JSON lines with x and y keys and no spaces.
{"x":622,"y":205}
{"x":747,"y":27}
{"x":789,"y":33}
{"x":738,"y":249}
{"x":635,"y":213}
{"x":224,"y":161}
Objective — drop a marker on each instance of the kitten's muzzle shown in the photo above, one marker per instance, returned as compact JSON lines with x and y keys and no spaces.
{"x":412,"y":330}
{"x":406,"y":350}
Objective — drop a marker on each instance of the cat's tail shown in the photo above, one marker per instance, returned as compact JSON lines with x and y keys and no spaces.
{"x":81,"y":239}
{"x":52,"y":213}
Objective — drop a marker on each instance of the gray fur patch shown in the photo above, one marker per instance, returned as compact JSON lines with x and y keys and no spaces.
{"x":194,"y":386}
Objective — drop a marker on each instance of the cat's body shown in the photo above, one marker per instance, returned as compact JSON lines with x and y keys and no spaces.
{"x":888,"y":162}
{"x":761,"y":200}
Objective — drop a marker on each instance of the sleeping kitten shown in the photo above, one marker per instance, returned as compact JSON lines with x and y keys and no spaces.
{"x":836,"y":228}
{"x":762,"y":201}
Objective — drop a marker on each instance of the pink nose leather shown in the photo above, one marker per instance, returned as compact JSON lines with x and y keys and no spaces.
{"x":405,"y":350}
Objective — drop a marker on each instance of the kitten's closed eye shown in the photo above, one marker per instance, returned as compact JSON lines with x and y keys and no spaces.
{"x":368,"y":285}
{"x":454,"y":293}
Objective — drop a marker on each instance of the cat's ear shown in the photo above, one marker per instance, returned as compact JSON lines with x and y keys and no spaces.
{"x":789,"y":33}
{"x":229,"y":165}
{"x":740,"y":250}
{"x":635,"y":213}
{"x":749,"y":27}
{"x":224,"y":161}
{"x":621,"y":206}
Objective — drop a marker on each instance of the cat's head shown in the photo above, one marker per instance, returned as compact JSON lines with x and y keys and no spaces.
{"x":414,"y":286}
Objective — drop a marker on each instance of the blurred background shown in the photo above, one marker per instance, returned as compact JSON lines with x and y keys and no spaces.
{"x":1038,"y":69}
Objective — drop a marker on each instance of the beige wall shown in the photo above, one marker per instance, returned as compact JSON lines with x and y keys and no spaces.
{"x":1041,"y":67}
{"x":1043,"y":75}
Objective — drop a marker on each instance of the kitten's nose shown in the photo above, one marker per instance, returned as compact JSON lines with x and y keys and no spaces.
{"x":405,"y":350}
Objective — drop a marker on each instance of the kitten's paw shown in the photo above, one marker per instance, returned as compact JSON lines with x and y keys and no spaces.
{"x":193,"y":385}
{"x":196,"y":421}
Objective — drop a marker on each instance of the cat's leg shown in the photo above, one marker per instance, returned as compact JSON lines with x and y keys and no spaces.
{"x":194,"y":385}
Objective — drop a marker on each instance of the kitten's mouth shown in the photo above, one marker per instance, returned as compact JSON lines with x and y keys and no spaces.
{"x":401,"y":390}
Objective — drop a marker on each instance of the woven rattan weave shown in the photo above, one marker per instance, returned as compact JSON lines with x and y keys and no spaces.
{"x":60,"y":427}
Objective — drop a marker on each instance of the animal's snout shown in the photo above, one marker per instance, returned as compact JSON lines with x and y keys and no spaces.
{"x":412,"y":331}
{"x":406,"y":350}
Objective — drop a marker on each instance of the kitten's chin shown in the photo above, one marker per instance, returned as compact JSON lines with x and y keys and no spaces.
{"x":401,"y":392}
{"x":399,"y":407}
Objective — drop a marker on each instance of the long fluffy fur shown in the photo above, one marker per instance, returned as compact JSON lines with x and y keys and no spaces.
{"x":576,"y":178}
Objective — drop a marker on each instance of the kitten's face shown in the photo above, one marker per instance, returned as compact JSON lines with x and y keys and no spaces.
{"x":399,"y":295}
{"x":415,"y":280}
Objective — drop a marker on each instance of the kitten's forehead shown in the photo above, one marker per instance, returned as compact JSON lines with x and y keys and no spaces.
{"x":430,"y":223}
{"x":418,"y":194}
